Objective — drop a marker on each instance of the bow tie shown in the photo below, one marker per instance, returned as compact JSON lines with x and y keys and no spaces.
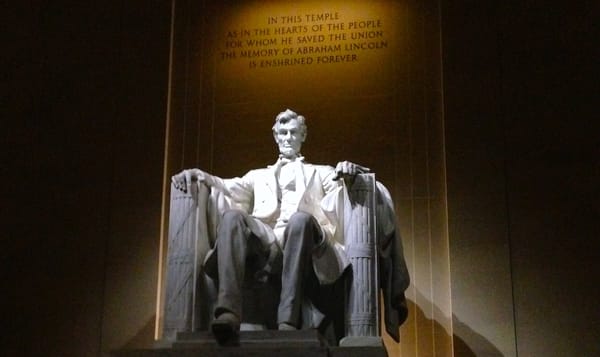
{"x":284,"y":160}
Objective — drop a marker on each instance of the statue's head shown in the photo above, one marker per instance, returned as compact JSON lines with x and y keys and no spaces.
{"x":289,"y":132}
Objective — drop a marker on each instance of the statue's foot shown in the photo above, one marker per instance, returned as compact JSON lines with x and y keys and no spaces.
{"x":286,"y":327}
{"x":225,"y":327}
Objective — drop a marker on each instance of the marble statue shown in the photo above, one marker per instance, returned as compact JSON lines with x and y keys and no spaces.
{"x":287,"y":221}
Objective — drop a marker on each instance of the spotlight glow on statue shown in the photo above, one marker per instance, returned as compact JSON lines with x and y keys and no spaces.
{"x":285,"y":216}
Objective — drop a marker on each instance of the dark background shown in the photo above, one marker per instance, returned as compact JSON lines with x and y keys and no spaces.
{"x":83,"y":110}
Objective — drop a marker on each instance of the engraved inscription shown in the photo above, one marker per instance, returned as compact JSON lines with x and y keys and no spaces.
{"x":304,"y":39}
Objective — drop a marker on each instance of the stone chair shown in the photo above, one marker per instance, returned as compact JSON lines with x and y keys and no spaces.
{"x":190,"y":293}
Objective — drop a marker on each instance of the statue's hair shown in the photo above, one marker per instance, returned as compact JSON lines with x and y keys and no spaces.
{"x":288,"y":115}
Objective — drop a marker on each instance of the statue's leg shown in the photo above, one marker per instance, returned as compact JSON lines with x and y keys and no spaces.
{"x":301,"y":235}
{"x":232,"y":246}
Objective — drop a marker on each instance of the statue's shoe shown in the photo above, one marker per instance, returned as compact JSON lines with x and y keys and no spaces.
{"x":284,"y":326}
{"x":225,"y":327}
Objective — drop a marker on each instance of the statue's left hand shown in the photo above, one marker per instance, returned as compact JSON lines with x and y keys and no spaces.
{"x":347,"y":169}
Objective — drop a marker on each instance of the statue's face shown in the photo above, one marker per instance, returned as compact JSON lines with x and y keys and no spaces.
{"x":289,"y":138}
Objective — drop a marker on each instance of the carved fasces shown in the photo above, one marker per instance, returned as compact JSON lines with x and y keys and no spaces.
{"x":187,"y":247}
{"x":362,"y":318}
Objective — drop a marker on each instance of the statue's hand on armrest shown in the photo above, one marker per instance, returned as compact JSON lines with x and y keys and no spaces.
{"x":185,"y":178}
{"x":347,"y":170}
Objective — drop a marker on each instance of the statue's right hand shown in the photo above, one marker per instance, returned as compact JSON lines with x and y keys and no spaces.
{"x":184,"y":179}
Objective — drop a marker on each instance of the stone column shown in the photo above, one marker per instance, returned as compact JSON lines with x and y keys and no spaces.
{"x":362,"y":315}
{"x":185,"y":254}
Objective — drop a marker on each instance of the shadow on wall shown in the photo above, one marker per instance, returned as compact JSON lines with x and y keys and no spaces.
{"x":144,"y":338}
{"x":470,"y":344}
{"x":475,"y":340}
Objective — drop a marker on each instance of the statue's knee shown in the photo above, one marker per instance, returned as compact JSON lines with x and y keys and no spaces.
{"x":300,"y":219}
{"x":232,"y":216}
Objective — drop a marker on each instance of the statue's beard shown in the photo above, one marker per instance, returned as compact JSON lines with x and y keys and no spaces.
{"x":288,"y":151}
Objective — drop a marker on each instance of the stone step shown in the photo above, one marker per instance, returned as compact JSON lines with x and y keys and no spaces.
{"x":265,"y":338}
{"x":268,"y":343}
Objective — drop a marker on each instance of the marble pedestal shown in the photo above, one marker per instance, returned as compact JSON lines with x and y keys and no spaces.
{"x":269,"y":343}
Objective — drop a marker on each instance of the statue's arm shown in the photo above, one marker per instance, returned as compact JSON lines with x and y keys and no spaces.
{"x":185,"y":178}
{"x":239,"y":189}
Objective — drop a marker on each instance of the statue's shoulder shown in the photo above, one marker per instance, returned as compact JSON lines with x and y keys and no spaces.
{"x":322,"y":169}
{"x":263,"y":171}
